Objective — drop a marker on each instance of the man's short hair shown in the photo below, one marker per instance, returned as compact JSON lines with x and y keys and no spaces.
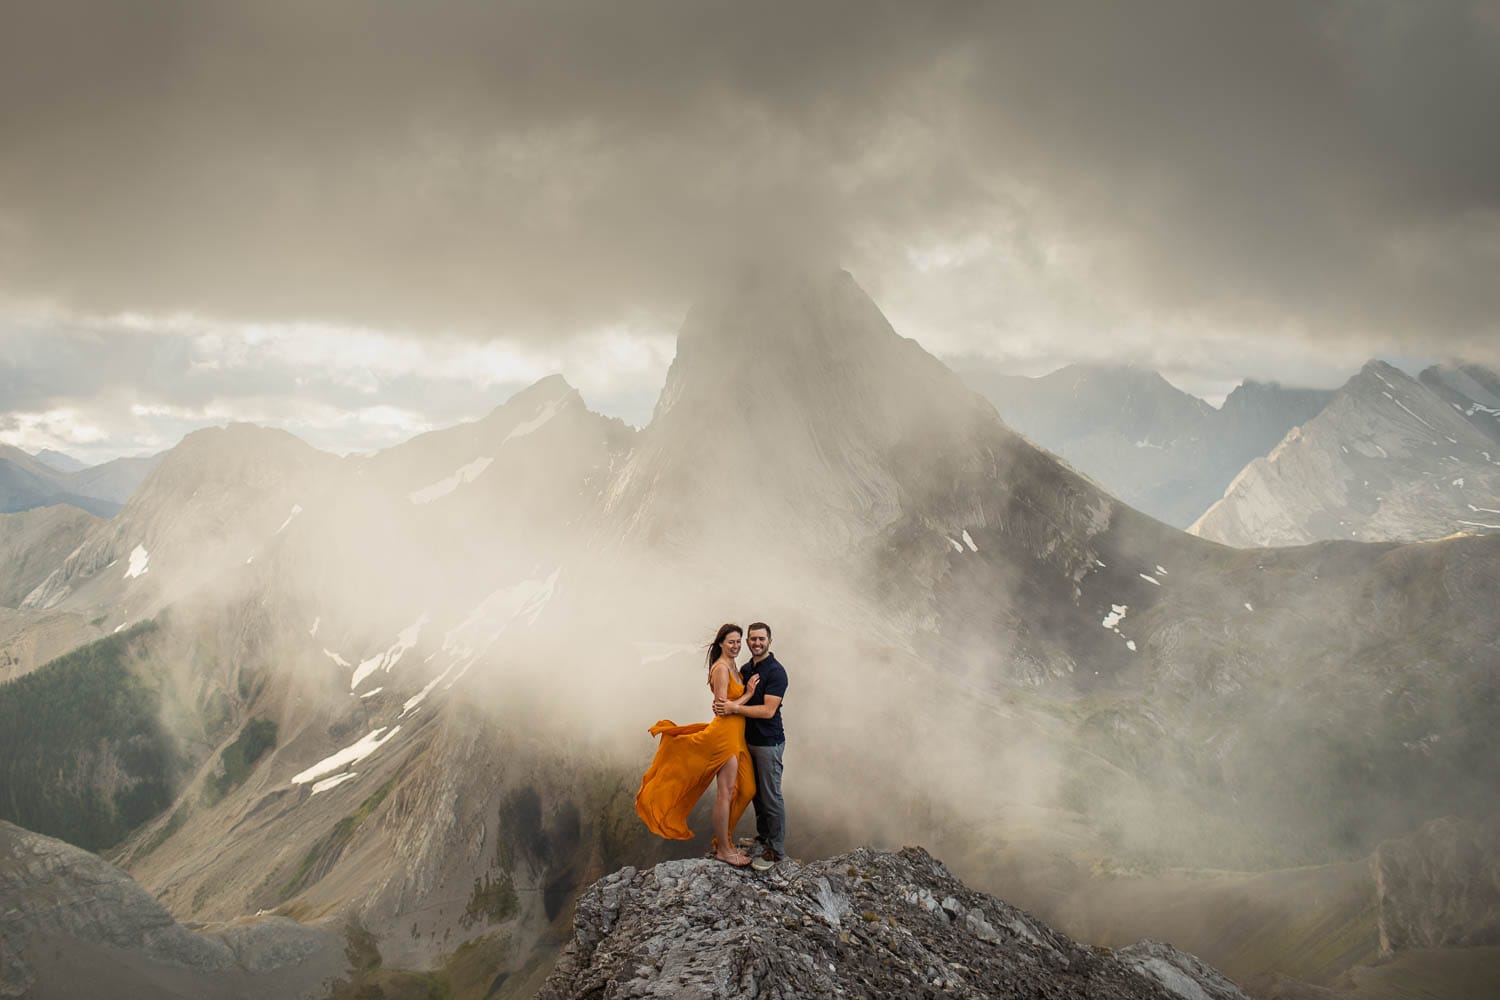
{"x":759,"y":625}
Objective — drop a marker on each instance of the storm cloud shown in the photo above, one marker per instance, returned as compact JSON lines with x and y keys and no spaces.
{"x":1022,"y":181}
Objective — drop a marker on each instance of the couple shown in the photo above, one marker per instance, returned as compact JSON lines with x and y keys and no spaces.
{"x":740,"y":749}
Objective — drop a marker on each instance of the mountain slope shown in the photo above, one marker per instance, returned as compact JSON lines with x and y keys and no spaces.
{"x":78,"y":926}
{"x":33,"y":543}
{"x":27,"y":482}
{"x":206,"y":507}
{"x":1388,"y":459}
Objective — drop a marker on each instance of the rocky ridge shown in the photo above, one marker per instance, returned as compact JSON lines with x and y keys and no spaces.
{"x":864,"y":924}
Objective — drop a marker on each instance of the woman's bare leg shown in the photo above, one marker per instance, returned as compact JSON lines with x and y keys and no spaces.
{"x":727,"y":780}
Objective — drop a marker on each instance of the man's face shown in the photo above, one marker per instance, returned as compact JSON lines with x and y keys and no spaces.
{"x":758,"y":641}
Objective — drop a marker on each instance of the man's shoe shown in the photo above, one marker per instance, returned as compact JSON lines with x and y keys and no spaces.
{"x":766,"y":861}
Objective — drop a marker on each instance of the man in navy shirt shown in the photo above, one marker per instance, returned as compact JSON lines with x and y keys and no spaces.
{"x":766,"y":739}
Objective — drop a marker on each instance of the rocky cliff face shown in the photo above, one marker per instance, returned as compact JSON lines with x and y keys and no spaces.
{"x":864,"y":924}
{"x":1387,"y":459}
{"x":73,"y":925}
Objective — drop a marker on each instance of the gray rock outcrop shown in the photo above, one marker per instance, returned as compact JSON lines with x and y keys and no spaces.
{"x":56,"y":899}
{"x":864,"y":924}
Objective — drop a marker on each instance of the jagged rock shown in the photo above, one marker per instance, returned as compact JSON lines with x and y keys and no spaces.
{"x":59,"y":899}
{"x":864,"y":924}
{"x":1439,"y":887}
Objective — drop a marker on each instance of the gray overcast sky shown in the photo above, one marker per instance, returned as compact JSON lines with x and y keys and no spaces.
{"x":360,"y":220}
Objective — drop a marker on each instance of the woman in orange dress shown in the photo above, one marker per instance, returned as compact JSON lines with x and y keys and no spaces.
{"x":690,"y":757}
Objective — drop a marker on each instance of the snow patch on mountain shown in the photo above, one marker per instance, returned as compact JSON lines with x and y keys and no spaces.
{"x":349,"y":755}
{"x":333,"y":782}
{"x":405,"y":640}
{"x":140,"y":561}
{"x":548,"y":411}
{"x":443,"y":487}
{"x":296,"y":509}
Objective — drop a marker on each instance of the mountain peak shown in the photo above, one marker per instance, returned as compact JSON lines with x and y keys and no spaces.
{"x":867,"y":923}
{"x":547,"y":389}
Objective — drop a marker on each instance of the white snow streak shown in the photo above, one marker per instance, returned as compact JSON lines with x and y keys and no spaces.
{"x":1116,"y":616}
{"x":336,"y":658}
{"x":956,"y":546}
{"x":1248,"y":607}
{"x":388,"y":659}
{"x":421,"y":695}
{"x":314,"y":630}
{"x":441,"y":488}
{"x":1149,"y":579}
{"x":1161,"y":569}
{"x":139,"y":562}
{"x":333,"y":782}
{"x":1459,"y":481}
{"x":1409,"y":410}
{"x":547,"y":413}
{"x":296,"y":509}
{"x":1130,"y":645}
{"x":969,"y":541}
{"x":1476,"y":524}
{"x":354,"y":752}
{"x":1483,"y":510}
{"x":372,"y":691}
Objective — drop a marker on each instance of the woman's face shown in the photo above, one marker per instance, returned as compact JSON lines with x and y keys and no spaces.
{"x":732,"y":645}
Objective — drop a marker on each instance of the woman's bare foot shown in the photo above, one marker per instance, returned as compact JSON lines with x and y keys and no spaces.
{"x":738,"y":859}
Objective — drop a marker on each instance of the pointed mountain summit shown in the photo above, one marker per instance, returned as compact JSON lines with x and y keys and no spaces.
{"x":59,"y":461}
{"x":793,"y":386}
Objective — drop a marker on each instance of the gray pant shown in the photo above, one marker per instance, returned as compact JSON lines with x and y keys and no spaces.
{"x":770,"y":808}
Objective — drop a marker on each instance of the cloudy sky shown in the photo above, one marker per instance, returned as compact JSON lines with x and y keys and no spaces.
{"x":360,"y":220}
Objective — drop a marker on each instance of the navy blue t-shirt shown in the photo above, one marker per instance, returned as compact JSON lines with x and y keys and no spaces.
{"x":765,"y":732}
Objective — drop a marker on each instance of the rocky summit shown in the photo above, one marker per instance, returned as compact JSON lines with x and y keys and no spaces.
{"x":863,"y":924}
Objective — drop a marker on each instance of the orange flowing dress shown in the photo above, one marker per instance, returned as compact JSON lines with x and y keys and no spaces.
{"x":687,"y":759}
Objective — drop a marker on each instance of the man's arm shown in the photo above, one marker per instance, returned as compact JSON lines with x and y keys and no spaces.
{"x":757,"y":711}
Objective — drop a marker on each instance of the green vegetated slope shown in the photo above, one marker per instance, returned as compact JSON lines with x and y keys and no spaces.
{"x":83,"y":753}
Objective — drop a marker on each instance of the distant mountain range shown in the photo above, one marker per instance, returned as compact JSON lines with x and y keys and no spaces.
{"x":1161,"y":450}
{"x":1389,"y":458}
{"x":50,"y":477}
